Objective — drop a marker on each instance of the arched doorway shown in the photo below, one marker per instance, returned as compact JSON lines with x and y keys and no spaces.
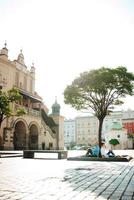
{"x":20,"y":136}
{"x":33,"y":137}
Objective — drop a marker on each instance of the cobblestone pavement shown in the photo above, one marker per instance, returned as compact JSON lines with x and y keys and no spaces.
{"x":52,"y":179}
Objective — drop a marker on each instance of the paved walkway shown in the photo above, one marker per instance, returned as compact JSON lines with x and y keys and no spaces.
{"x":43,"y":179}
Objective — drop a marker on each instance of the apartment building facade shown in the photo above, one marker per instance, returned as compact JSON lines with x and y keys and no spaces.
{"x":86,"y":130}
{"x":81,"y":131}
{"x":117,"y":125}
{"x":69,"y":132}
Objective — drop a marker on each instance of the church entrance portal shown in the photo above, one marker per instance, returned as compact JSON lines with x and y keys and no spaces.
{"x":33,"y":137}
{"x":20,"y":136}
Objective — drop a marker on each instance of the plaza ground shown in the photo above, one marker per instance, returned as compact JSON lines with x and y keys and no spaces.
{"x":52,"y":179}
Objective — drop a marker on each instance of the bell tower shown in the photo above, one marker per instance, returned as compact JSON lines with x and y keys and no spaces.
{"x":55,"y":108}
{"x":59,"y":120}
{"x":4,"y":52}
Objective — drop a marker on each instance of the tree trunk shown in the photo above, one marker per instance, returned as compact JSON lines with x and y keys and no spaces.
{"x":1,"y":138}
{"x":0,"y":121}
{"x":100,"y":133}
{"x":1,"y":118}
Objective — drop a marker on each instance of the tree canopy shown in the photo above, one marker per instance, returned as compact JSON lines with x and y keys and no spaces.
{"x":99,"y":90}
{"x":114,"y":142}
{"x":6,"y":100}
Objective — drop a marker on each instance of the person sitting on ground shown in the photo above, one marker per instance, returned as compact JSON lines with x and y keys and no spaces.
{"x":106,"y":153}
{"x":93,"y":151}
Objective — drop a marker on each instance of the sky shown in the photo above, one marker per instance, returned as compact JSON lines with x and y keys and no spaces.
{"x":67,"y":37}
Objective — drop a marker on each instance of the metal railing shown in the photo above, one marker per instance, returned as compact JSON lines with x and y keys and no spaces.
{"x":33,"y":112}
{"x":29,"y":111}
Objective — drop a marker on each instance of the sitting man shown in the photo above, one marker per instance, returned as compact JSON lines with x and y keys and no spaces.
{"x":106,"y":153}
{"x":93,"y":151}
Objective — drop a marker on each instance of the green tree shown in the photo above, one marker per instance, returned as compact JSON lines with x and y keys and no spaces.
{"x":114,"y":142}
{"x":6,"y":104}
{"x":7,"y":99}
{"x":99,"y":90}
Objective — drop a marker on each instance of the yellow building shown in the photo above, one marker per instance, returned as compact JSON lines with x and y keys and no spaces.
{"x":35,"y":130}
{"x":86,"y":130}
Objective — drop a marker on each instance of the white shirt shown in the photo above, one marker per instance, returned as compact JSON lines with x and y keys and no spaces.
{"x":104,"y":152}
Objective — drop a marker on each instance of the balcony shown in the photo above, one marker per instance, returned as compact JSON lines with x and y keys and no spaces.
{"x":29,"y":111}
{"x":33,"y":112}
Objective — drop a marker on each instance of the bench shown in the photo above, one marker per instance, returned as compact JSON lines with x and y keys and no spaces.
{"x":125,"y":158}
{"x":62,"y":154}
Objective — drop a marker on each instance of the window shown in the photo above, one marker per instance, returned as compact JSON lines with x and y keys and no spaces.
{"x":31,"y":86}
{"x":25,"y":82}
{"x":17,"y":78}
{"x":33,"y":139}
{"x":20,"y":84}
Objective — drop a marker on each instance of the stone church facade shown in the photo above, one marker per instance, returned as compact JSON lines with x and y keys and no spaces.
{"x":36,"y":129}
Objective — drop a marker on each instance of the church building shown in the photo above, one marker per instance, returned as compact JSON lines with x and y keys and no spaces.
{"x":36,"y":129}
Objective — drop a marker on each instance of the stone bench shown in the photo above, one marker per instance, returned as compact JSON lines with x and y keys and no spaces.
{"x":62,"y":154}
{"x":125,"y":158}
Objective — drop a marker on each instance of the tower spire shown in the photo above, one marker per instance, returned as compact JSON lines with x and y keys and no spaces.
{"x":4,"y":51}
{"x":55,"y":108}
{"x":5,"y":44}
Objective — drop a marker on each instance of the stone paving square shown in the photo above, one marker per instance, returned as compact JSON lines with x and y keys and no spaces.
{"x":52,"y":179}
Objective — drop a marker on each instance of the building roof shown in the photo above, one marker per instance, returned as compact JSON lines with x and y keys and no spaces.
{"x":27,"y":94}
{"x":48,"y":120}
